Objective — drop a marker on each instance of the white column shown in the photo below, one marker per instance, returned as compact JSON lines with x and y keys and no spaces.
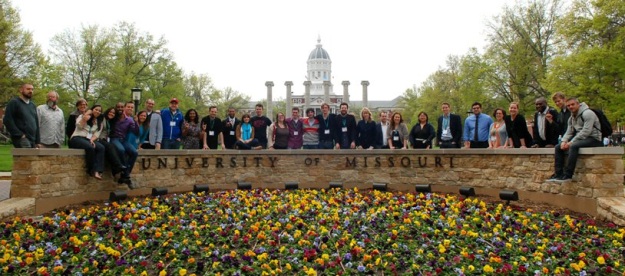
{"x":269,"y":106}
{"x":289,"y":100}
{"x":326,"y":91}
{"x":306,"y":95}
{"x":365,"y":98}
{"x":345,"y":91}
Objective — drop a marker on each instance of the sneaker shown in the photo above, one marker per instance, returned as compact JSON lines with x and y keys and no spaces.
{"x":554,"y":178}
{"x":131,"y":185}
{"x":565,"y":179}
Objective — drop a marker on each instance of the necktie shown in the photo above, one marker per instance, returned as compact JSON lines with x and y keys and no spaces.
{"x":475,"y":138}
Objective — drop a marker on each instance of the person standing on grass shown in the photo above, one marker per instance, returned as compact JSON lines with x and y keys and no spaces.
{"x":51,"y":122}
{"x":20,"y":119}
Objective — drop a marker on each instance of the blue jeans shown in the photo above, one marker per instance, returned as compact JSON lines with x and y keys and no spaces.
{"x":573,"y":152}
{"x":127,"y":153}
{"x":311,"y":146}
{"x":170,"y":144}
{"x":94,"y":156}
{"x":252,"y":144}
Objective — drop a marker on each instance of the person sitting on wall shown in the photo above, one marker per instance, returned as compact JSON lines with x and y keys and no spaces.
{"x":110,"y":151}
{"x":584,"y":131}
{"x":545,"y":125}
{"x":85,"y":136}
{"x":245,"y":135}
{"x":126,"y":151}
{"x":280,"y":133}
{"x":498,"y":135}
{"x":518,"y":134}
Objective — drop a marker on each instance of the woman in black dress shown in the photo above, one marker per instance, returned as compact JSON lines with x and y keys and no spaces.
{"x":516,"y":126}
{"x":422,"y":133}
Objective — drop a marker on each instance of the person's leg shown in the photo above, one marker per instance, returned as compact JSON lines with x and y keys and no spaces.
{"x":574,"y":153}
{"x":99,"y":157}
{"x":112,"y":157}
{"x":121,"y":151}
{"x":558,"y":163}
{"x":84,"y":144}
{"x":132,"y":157}
{"x":242,"y":146}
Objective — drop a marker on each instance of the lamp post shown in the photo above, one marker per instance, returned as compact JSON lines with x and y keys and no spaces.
{"x":136,"y":96}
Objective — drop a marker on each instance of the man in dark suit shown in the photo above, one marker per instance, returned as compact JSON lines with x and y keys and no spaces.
{"x":380,"y":131}
{"x":545,"y":125}
{"x":449,"y":133}
{"x":230,"y":124}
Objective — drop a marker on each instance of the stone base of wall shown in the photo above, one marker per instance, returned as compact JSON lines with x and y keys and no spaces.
{"x":56,"y":178}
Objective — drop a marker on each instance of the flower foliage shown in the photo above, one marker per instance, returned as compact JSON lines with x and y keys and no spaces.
{"x":308,"y":232}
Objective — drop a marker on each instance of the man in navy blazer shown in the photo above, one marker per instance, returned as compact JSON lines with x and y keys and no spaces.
{"x":380,"y":131}
{"x":545,"y":125}
{"x":449,"y":133}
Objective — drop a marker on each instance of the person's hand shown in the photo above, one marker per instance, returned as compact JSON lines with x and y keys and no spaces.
{"x":353,"y":145}
{"x":523,"y":147}
{"x":549,"y":117}
{"x":205,"y":147}
{"x":534,"y":146}
{"x":157,"y":146}
{"x":204,"y":127}
{"x":428,"y":147}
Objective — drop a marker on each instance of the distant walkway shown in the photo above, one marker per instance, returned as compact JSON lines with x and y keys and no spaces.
{"x":5,"y":185}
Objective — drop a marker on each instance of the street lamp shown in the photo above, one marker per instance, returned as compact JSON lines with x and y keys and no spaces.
{"x":136,"y":96}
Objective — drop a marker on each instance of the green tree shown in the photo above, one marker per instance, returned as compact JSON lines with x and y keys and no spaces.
{"x":522,"y":42}
{"x":85,"y":57}
{"x":591,"y":64}
{"x":19,"y":54}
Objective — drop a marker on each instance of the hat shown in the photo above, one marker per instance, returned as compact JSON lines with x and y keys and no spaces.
{"x":174,"y":100}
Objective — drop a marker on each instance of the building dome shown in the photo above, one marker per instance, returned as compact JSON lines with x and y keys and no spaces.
{"x":319,"y":52}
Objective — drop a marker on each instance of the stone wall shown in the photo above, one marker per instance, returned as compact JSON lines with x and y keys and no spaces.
{"x":57,"y":177}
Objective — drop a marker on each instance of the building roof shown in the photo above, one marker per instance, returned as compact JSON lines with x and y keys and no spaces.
{"x":319,"y":52}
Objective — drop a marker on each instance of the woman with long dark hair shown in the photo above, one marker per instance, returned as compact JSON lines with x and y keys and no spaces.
{"x":88,"y":128}
{"x":397,"y":133}
{"x":280,"y":133}
{"x":245,"y":135}
{"x":137,"y":140}
{"x":81,"y":108}
{"x":191,"y":130}
{"x":422,"y":133}
{"x":110,"y":152}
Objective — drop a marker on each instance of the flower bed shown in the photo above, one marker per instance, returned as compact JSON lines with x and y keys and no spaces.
{"x":308,"y":232}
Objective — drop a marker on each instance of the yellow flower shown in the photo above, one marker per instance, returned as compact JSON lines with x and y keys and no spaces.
{"x":162,"y":273}
{"x":182,"y":272}
{"x":311,"y":272}
{"x":601,"y":260}
{"x":488,"y":269}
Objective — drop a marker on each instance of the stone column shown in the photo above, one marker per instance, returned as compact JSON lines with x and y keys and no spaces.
{"x":289,"y":100}
{"x":365,"y":98}
{"x":345,"y":91}
{"x":269,"y":106}
{"x":306,"y":95}
{"x":326,"y":91}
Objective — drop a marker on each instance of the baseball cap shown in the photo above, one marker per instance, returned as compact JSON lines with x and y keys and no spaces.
{"x":174,"y":100}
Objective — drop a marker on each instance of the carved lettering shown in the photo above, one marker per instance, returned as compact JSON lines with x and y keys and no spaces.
{"x":162,"y":163}
{"x":365,"y":161}
{"x":273,"y":161}
{"x":405,"y":162}
{"x":244,"y":161}
{"x":437,"y":162}
{"x":308,"y":161}
{"x":425,"y":162}
{"x":377,"y":162}
{"x":219,"y":162}
{"x":204,"y":162}
{"x":146,"y":166}
{"x":350,"y":164}
{"x":176,"y":163}
{"x":189,"y":161}
{"x":451,"y":162}
{"x":258,"y":161}
{"x":391,"y":162}
{"x":233,"y":162}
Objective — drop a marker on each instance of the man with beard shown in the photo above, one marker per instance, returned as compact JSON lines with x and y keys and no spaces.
{"x":345,"y":132}
{"x":21,"y":120}
{"x":51,"y":122}
{"x":260,"y":123}
{"x":545,"y":125}
{"x":229,"y":127}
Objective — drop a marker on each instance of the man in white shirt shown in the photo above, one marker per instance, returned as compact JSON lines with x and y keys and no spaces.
{"x":380,"y":131}
{"x":51,"y":122}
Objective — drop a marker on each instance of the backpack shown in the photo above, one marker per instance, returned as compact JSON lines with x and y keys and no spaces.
{"x":606,"y":128}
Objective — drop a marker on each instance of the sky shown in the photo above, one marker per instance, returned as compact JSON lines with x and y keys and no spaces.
{"x":395,"y":45}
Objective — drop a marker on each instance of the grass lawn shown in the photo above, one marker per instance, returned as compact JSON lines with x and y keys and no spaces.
{"x":6,"y":159}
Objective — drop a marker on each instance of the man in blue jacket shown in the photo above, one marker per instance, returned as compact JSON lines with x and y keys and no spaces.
{"x":173,"y":120}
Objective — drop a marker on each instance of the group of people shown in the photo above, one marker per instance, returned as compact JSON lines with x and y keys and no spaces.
{"x":116,"y":134}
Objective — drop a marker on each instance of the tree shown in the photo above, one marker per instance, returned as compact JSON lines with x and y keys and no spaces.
{"x":227,"y":98}
{"x":19,"y":54}
{"x":591,"y":64}
{"x":521,"y":45}
{"x":199,"y":88}
{"x":84,"y":58}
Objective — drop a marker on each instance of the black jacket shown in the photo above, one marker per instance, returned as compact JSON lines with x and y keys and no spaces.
{"x":455,"y":125}
{"x":551,"y":130}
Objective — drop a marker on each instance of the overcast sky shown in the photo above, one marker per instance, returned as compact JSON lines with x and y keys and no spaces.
{"x":242,"y":44}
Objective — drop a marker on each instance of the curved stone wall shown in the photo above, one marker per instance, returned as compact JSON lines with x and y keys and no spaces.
{"x":56,"y":178}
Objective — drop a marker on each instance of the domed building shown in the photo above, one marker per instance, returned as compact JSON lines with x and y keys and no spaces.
{"x":319,"y":69}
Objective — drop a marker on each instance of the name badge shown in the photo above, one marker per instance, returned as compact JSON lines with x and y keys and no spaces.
{"x":295,"y":133}
{"x":211,"y":133}
{"x":344,"y":129}
{"x":395,"y":138}
{"x":172,"y":123}
{"x":89,"y":135}
{"x":108,"y":139}
{"x":232,"y":132}
{"x":327,"y":131}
